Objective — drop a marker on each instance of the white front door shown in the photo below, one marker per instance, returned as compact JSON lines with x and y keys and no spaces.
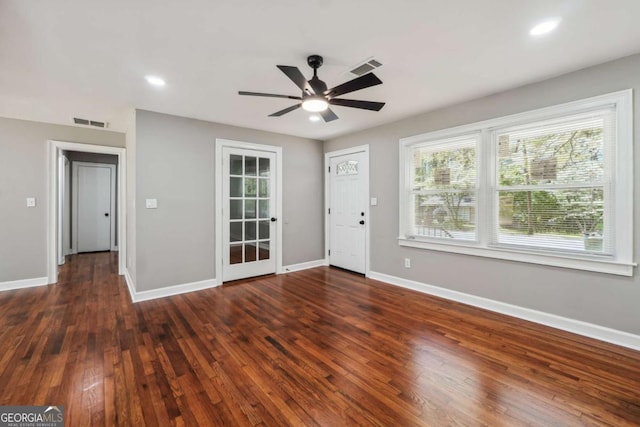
{"x":94,"y":201}
{"x":349,"y":175}
{"x":248,"y":213}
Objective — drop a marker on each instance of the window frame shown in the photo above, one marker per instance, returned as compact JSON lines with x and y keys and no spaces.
{"x":620,"y":263}
{"x":445,"y":142}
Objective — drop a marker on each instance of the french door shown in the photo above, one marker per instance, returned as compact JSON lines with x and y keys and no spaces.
{"x":248,"y":213}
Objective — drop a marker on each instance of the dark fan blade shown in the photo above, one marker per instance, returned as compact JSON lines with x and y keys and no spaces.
{"x":328,"y":115}
{"x":365,"y":105}
{"x":358,"y":83}
{"x":269,"y":95}
{"x":295,"y":75}
{"x":318,"y":86}
{"x":285,"y":111}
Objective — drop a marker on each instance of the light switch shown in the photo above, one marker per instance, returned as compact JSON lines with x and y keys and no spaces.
{"x":151,"y":203}
{"x":31,"y":202}
{"x":374,"y":201}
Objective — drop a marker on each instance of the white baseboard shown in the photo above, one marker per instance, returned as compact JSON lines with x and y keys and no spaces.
{"x":590,"y":330}
{"x":131,"y":284}
{"x":172,"y":290}
{"x":303,"y":266}
{"x":24,"y":283}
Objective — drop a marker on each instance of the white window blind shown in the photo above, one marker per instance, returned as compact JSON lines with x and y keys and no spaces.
{"x":444,"y":188}
{"x":552,"y":184}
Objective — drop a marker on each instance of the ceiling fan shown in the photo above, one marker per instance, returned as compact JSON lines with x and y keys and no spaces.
{"x":316,"y":97}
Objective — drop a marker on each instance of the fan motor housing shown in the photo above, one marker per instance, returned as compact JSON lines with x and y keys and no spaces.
{"x":315,"y":61}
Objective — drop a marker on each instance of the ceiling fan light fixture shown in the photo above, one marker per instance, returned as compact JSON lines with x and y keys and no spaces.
{"x":315,"y":104}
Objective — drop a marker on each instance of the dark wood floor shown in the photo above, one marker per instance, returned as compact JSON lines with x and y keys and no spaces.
{"x":319,"y":347}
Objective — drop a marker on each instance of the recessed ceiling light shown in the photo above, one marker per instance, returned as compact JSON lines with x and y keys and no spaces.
{"x":314,"y":118}
{"x":545,"y":27}
{"x":155,"y":81}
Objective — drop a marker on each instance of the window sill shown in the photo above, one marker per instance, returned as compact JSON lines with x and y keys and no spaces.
{"x":565,"y":261}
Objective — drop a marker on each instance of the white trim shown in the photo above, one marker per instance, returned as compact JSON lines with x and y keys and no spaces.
{"x":23,"y":283}
{"x":74,"y":201}
{"x":277,"y":150}
{"x":367,"y":208}
{"x":173,"y":290}
{"x":590,"y":330}
{"x":131,"y":284}
{"x":61,"y":201}
{"x":622,"y":263}
{"x":528,"y":256}
{"x":304,"y":265}
{"x":53,"y":148}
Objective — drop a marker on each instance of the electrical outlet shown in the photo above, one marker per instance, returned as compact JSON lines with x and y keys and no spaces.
{"x":407,"y":263}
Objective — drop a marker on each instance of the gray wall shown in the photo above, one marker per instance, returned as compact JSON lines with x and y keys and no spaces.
{"x":175,"y":164}
{"x":23,"y":173}
{"x":602,"y":299}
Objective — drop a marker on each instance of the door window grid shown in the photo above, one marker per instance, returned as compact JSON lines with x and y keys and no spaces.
{"x":249,"y":218}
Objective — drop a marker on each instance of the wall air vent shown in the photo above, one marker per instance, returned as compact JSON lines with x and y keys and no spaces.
{"x":87,"y":122}
{"x":365,"y":67}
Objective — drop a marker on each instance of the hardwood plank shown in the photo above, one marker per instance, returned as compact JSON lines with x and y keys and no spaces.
{"x":320,"y":347}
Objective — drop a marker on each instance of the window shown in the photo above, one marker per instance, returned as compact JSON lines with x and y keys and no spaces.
{"x":551,"y":186}
{"x":444,"y":188}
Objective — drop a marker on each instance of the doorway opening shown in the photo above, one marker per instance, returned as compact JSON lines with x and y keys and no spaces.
{"x":86,"y":202}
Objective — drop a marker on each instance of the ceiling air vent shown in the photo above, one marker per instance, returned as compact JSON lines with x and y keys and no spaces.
{"x":86,"y":122}
{"x":365,"y":67}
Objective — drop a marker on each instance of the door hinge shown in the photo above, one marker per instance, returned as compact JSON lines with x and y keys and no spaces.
{"x":329,"y":252}
{"x":329,"y":169}
{"x":329,"y":210}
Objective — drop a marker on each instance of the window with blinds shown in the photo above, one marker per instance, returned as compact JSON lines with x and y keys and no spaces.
{"x":444,"y":188}
{"x":552,"y":181}
{"x":552,"y":186}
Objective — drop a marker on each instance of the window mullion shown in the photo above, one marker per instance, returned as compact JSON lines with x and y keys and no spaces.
{"x":486,"y":176}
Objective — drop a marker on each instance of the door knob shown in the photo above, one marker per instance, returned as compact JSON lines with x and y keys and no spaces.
{"x":274,"y":219}
{"x":106,"y":214}
{"x":362,"y":222}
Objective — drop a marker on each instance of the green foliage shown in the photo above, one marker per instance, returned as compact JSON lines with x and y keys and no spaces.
{"x":575,"y":157}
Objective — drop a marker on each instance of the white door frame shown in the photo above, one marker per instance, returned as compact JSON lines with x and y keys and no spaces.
{"x":220,"y":144}
{"x":62,"y":199}
{"x":327,"y":201}
{"x":54,"y":148}
{"x":112,"y":202}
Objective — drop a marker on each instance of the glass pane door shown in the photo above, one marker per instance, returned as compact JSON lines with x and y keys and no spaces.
{"x":250,"y":211}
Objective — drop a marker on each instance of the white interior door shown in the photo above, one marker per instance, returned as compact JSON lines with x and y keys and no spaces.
{"x":349,"y":175}
{"x":94,"y":207}
{"x":248,"y":213}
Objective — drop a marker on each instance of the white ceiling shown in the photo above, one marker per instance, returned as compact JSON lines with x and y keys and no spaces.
{"x":86,"y":58}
